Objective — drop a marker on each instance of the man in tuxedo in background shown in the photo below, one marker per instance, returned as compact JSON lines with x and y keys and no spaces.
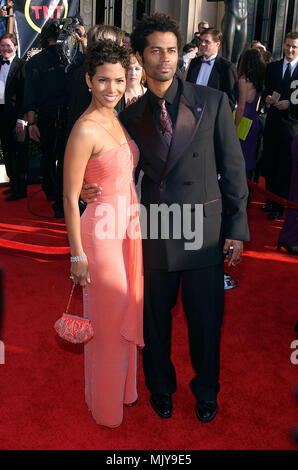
{"x":276,"y":166}
{"x":47,"y":94}
{"x":13,"y":137}
{"x":209,"y":69}
{"x":186,"y":137}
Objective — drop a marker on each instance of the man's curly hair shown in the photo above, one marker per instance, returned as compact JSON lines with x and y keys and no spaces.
{"x":106,"y":51}
{"x":148,"y":25}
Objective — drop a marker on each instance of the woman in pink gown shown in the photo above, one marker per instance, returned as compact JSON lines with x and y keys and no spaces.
{"x":106,"y":244}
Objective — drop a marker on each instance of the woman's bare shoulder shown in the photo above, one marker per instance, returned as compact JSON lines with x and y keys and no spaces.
{"x":87,"y":131}
{"x":86,"y":125}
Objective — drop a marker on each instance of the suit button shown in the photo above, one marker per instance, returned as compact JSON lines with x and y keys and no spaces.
{"x":162,"y":185}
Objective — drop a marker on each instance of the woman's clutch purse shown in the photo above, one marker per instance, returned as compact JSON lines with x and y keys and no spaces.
{"x":73,"y":328}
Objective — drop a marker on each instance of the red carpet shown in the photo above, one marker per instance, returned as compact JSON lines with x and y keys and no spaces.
{"x":42,"y":386}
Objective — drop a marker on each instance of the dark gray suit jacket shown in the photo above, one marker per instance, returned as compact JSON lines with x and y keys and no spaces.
{"x":204,"y":145}
{"x":223,"y":77}
{"x":273,"y":82}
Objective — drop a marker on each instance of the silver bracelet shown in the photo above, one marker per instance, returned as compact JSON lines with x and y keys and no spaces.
{"x":75,"y":259}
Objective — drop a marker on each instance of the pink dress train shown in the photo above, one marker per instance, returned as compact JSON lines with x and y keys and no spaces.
{"x":113,"y":300}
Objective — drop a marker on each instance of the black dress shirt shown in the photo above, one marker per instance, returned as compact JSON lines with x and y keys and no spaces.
{"x":171,"y":97}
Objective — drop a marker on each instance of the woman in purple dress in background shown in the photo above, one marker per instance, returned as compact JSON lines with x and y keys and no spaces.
{"x":251,"y":80}
{"x":288,"y":237}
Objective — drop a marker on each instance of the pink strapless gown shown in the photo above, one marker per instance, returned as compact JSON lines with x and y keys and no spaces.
{"x":114,"y":299}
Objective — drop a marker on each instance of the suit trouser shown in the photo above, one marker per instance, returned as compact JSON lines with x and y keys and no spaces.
{"x":289,"y":231}
{"x":52,"y":126}
{"x":277,"y":160}
{"x":202,"y":293}
{"x":15,"y":155}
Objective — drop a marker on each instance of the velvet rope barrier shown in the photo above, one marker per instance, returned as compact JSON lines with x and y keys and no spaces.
{"x":63,"y":250}
{"x":38,"y":249}
{"x":272,"y":196}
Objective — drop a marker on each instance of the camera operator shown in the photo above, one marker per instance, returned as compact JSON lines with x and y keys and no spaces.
{"x":47,"y":90}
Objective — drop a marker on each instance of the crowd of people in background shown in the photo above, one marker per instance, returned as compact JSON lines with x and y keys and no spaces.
{"x":125,"y":105}
{"x":41,"y":101}
{"x":6,"y":16}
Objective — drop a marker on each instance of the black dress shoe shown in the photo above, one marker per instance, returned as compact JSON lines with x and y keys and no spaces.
{"x":15,"y":197}
{"x":274,"y":215}
{"x":293,"y":250}
{"x":162,"y":404}
{"x":267,"y":208}
{"x":206,"y":410}
{"x":7,"y":191}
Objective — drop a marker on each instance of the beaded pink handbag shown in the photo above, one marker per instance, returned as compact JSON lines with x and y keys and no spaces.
{"x":73,"y":328}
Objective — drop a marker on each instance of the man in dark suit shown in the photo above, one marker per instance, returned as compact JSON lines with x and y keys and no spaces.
{"x":47,"y":94}
{"x":276,"y":167}
{"x":209,"y":69}
{"x":186,"y":137}
{"x":12,"y":130}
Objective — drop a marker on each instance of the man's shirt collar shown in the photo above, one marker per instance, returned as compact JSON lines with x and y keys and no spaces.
{"x":169,"y":96}
{"x":10,"y":59}
{"x":211,"y":58}
{"x":293,"y":63}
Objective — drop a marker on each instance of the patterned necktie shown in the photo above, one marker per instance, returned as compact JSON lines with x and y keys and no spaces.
{"x":165,"y":122}
{"x":286,"y":81}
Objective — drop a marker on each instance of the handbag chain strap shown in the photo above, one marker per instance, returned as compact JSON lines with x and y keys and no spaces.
{"x":70,"y":297}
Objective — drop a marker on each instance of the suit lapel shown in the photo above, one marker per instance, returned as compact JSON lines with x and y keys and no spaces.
{"x":147,"y":133}
{"x":189,"y":116}
{"x":293,"y":85}
{"x":194,"y":71}
{"x":12,"y":70}
{"x":188,"y":120}
{"x":214,"y":75}
{"x":279,"y":73}
{"x":295,"y":73}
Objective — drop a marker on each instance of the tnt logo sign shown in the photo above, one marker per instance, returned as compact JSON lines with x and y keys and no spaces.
{"x":2,"y":353}
{"x":38,"y":12}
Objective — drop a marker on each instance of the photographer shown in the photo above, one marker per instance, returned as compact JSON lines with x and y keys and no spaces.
{"x":47,"y":91}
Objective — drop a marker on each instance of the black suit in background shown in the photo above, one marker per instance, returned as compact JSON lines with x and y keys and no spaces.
{"x":276,"y":164}
{"x":223,"y":77}
{"x":47,"y":92}
{"x":204,"y":144}
{"x":15,"y":147}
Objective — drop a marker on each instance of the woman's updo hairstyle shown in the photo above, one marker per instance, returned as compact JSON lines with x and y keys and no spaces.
{"x":103,"y":52}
